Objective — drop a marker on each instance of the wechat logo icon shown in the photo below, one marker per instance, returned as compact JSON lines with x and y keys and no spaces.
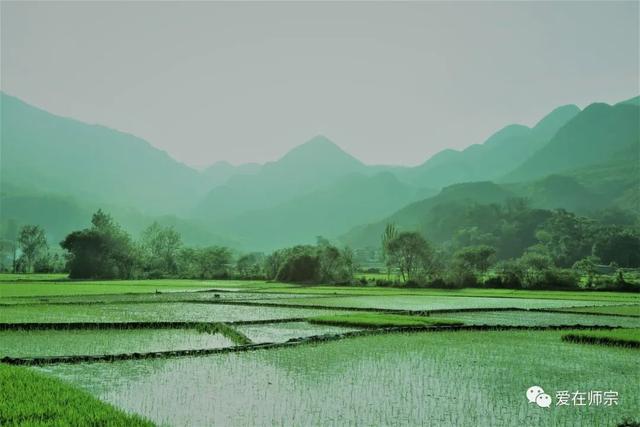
{"x":536,"y":394}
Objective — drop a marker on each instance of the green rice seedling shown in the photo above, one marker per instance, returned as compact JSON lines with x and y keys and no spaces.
{"x":620,"y":310}
{"x":51,"y":287}
{"x":381,"y":320}
{"x":39,"y":343}
{"x":281,"y":332}
{"x":596,"y":297}
{"x":30,"y":398}
{"x":156,"y":297}
{"x":445,"y":378}
{"x":221,"y":328}
{"x":422,"y":303}
{"x":538,"y":318}
{"x":32,"y":285}
{"x":616,"y":337}
{"x":150,"y":312}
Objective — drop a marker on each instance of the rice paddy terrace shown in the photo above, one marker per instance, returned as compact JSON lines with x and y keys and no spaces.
{"x":178,"y":352}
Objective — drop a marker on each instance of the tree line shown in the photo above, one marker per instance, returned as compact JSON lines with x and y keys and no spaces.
{"x":511,"y":245}
{"x":105,"y":251}
{"x":506,"y":245}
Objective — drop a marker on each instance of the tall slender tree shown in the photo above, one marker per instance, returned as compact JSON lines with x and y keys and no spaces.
{"x":33,"y":243}
{"x":390,"y":233}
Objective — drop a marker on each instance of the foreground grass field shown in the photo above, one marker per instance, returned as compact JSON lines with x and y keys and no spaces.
{"x":29,"y":398}
{"x":264,"y":368}
{"x":445,"y":379}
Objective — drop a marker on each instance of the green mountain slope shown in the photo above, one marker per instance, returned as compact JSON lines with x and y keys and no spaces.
{"x":499,"y":154}
{"x":590,"y":138}
{"x":611,"y":183}
{"x":616,"y":180}
{"x":48,"y":153}
{"x":415,"y":214}
{"x":59,"y":215}
{"x":330,"y":211}
{"x":56,"y":171}
{"x":220,"y":172}
{"x":306,"y":168}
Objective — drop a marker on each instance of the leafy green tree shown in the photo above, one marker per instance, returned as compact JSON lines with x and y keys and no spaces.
{"x":476,"y":258}
{"x":161,"y":246}
{"x":411,"y":254}
{"x":390,"y":233}
{"x":515,"y":206}
{"x":250,"y":265}
{"x":588,"y":266}
{"x":103,"y":251}
{"x":330,"y":260}
{"x":336,"y":265}
{"x":301,"y":265}
{"x":33,"y":244}
{"x":618,"y":245}
{"x":617,"y":216}
{"x":273,"y":262}
{"x":323,"y":263}
{"x":511,"y":273}
{"x":472,"y":236}
{"x":50,"y":262}
{"x":510,"y":227}
{"x":567,"y":237}
{"x":349,"y":262}
{"x":213,"y":262}
{"x":534,"y":264}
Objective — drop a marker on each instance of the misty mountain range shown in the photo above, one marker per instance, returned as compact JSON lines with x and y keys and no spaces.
{"x":55,"y":171}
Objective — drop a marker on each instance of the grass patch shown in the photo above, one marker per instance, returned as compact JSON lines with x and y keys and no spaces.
{"x":615,"y":337}
{"x":31,"y":398}
{"x":33,"y":277}
{"x":381,"y":320}
{"x":237,"y":337}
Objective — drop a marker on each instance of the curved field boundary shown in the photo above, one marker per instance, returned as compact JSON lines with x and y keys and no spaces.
{"x":132,"y":325}
{"x":586,"y":339}
{"x":48,"y":360}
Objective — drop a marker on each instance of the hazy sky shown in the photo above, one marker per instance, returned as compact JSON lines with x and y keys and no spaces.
{"x":388,"y":82}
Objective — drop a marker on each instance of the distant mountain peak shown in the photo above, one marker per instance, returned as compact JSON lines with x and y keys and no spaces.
{"x":552,"y":122}
{"x":320,"y":139}
{"x":319,"y":149}
{"x":318,"y":142}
